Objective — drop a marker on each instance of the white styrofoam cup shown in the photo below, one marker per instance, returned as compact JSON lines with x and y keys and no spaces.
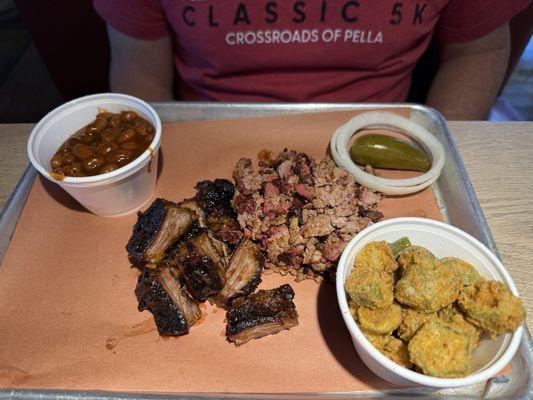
{"x":443,"y":240}
{"x":115,"y":193}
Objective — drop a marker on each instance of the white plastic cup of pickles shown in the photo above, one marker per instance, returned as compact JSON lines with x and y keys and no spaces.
{"x":111,"y":194}
{"x":443,"y":240}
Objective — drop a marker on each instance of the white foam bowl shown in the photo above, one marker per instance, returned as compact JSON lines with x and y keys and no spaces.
{"x":443,"y":240}
{"x":115,"y":193}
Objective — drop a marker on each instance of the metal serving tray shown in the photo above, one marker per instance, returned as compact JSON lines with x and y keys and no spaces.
{"x":456,"y":199}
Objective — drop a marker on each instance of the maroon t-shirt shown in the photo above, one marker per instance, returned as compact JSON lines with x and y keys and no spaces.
{"x":308,"y":50}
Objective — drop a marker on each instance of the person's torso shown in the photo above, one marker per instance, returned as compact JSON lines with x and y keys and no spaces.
{"x":306,"y":50}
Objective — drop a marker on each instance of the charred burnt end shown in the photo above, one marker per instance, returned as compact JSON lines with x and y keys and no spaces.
{"x":215,"y":195}
{"x":156,"y":229}
{"x":151,"y":296}
{"x":243,"y":274}
{"x":199,"y":273}
{"x":145,"y":229}
{"x":263,"y":313}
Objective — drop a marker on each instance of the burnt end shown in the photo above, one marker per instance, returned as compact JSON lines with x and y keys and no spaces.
{"x":146,"y":228}
{"x":151,"y":296}
{"x":200,"y":274}
{"x":260,"y":314}
{"x":215,"y":195}
{"x":243,"y":274}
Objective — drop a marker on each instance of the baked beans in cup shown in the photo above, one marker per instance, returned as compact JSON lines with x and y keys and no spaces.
{"x":102,"y":149}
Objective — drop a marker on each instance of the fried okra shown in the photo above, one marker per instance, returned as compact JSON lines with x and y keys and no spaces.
{"x":370,"y":287}
{"x":380,"y":321}
{"x":391,"y":347}
{"x":491,"y":306}
{"x":468,"y":273}
{"x":441,"y":350}
{"x":377,"y":255}
{"x":463,"y":326}
{"x":427,"y":285}
{"x":414,"y":255}
{"x":447,"y":313}
{"x":412,"y":321}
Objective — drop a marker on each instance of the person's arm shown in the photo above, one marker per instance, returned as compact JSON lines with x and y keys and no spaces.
{"x":142,"y":68}
{"x":470,"y":76}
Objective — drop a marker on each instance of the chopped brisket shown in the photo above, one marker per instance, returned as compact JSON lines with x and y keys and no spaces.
{"x":302,"y":213}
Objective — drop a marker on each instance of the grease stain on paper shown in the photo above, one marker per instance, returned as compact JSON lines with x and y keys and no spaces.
{"x":138,"y":329}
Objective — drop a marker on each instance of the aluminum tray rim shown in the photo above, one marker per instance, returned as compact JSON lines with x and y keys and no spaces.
{"x":215,"y":111}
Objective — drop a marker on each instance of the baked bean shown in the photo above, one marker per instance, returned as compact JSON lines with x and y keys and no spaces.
{"x":119,"y":156}
{"x":88,"y":138}
{"x":104,"y":148}
{"x":69,"y":158}
{"x":56,"y":161}
{"x":91,"y":129}
{"x":126,"y":136}
{"x":109,"y":135}
{"x":100,"y":123}
{"x":62,"y":151}
{"x":72,"y":142}
{"x":140,"y":128}
{"x":115,"y":121}
{"x":93,"y":164}
{"x":82,"y":151}
{"x":108,"y":168}
{"x":107,"y":143}
{"x":71,"y":169}
{"x":127,"y":116}
{"x":59,"y":171}
{"x":130,"y":145}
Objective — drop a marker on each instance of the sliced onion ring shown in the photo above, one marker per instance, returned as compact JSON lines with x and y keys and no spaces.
{"x":386,"y":120}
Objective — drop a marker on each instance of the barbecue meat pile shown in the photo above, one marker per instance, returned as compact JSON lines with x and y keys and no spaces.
{"x":293,"y":215}
{"x":192,"y":252}
{"x":266,"y":312}
{"x":302,"y":213}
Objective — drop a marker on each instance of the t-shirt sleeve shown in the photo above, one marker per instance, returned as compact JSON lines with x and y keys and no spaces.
{"x":465,"y":20}
{"x":141,"y":19}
